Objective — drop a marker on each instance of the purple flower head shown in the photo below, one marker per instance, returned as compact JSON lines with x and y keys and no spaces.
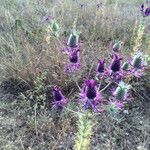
{"x":116,"y":63}
{"x":81,"y":5}
{"x":90,"y":89}
{"x":59,"y":100}
{"x":57,"y":94}
{"x":147,"y":12}
{"x":90,"y":95}
{"x":74,"y":64}
{"x":74,"y":56}
{"x":47,"y":19}
{"x":101,"y":66}
{"x":142,"y":7}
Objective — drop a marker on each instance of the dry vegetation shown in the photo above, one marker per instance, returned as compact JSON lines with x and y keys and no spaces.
{"x":27,"y":50}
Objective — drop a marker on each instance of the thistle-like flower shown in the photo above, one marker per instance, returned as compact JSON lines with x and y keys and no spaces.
{"x":116,"y":63}
{"x":117,"y":46}
{"x":125,"y":66}
{"x":74,"y":56}
{"x":90,"y":89}
{"x":114,"y":106}
{"x":59,"y":100}
{"x":90,"y":95}
{"x":73,"y":40}
{"x":74,"y":64}
{"x":121,"y":91}
{"x":55,"y":28}
{"x":101,"y":66}
{"x":137,"y":60}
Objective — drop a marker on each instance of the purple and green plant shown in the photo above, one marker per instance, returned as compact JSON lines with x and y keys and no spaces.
{"x":90,"y":96}
{"x":116,"y":63}
{"x":74,"y":64}
{"x":121,"y":91}
{"x":59,"y":99}
{"x":145,"y":10}
{"x":117,"y":46}
{"x":101,"y":67}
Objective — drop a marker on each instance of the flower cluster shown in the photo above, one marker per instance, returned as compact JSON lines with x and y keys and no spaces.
{"x":116,"y":73}
{"x":115,"y":76}
{"x":145,"y":10}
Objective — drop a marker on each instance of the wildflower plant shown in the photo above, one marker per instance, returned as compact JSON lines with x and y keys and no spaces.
{"x":125,"y":66}
{"x":84,"y":133}
{"x":59,"y":99}
{"x":37,"y":95}
{"x":101,"y":67}
{"x":114,"y":107}
{"x":73,"y":40}
{"x":145,"y":10}
{"x":55,"y":29}
{"x":116,"y":63}
{"x":121,"y":91}
{"x":74,"y":63}
{"x":90,"y":96}
{"x":73,"y":43}
{"x":117,"y":46}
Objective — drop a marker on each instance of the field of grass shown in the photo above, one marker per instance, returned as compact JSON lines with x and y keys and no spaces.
{"x":34,"y":55}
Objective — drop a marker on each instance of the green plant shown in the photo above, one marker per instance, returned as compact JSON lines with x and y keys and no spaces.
{"x":37,"y":95}
{"x":84,"y":131}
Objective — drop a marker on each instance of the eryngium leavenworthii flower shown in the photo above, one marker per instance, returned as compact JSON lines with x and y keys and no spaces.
{"x":125,"y":66}
{"x":101,"y":66}
{"x":74,"y":56}
{"x":74,"y":64}
{"x":59,"y":100}
{"x":116,"y":63}
{"x":90,"y":95}
{"x":145,"y":11}
{"x":117,"y":46}
{"x":90,"y":89}
{"x":137,"y":60}
{"x":73,"y":40}
{"x":121,"y":91}
{"x":114,"y":106}
{"x":55,"y":28}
